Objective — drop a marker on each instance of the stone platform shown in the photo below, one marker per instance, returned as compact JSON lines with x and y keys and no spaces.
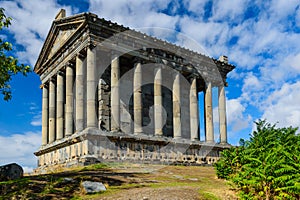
{"x":93,"y":146}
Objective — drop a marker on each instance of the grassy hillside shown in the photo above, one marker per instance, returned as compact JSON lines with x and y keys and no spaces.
{"x":123,"y":181}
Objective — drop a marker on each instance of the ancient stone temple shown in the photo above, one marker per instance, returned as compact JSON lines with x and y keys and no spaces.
{"x":115,"y":94}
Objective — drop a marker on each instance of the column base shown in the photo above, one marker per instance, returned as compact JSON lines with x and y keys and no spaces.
{"x":210,"y":142}
{"x":225,"y":144}
{"x":138,"y":132}
{"x":177,"y":138}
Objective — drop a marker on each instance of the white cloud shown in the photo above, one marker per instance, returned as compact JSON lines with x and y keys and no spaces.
{"x":196,"y":6}
{"x":19,"y":148}
{"x":283,"y":105}
{"x":229,"y":9}
{"x":186,"y":41}
{"x":27,"y":169}
{"x":253,"y":90}
{"x":143,"y":13}
{"x":294,"y":62}
{"x":281,"y":8}
{"x":32,"y":106}
{"x":237,"y":119}
{"x":251,"y":82}
{"x":35,"y":112}
{"x":31,"y":22}
{"x":207,"y":34}
{"x":37,"y":120}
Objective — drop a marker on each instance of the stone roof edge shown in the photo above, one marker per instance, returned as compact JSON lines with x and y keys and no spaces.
{"x":85,"y":14}
{"x":165,"y":41}
{"x":50,"y":35}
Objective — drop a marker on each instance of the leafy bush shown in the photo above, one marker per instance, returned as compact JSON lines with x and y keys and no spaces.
{"x":265,"y":167}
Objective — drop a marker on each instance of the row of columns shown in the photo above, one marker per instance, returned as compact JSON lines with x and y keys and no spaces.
{"x":158,"y":105}
{"x":58,"y":122}
{"x":58,"y":106}
{"x":54,"y":124}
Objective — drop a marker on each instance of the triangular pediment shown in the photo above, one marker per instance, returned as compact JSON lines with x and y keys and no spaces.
{"x":60,"y":40}
{"x":61,"y":34}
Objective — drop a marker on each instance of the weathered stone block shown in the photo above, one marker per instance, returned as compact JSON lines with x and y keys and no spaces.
{"x":10,"y":172}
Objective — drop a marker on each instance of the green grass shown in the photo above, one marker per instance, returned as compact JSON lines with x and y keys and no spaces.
{"x":16,"y":181}
{"x":95,"y":167}
{"x":208,"y":196}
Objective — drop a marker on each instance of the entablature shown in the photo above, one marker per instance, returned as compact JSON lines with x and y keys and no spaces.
{"x":70,"y":35}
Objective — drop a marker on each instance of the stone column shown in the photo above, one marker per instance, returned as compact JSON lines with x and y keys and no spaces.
{"x":60,"y":106}
{"x":52,"y":108}
{"x":222,"y":115}
{"x":91,"y":88}
{"x":158,"y":103}
{"x":194,"y":116}
{"x":115,"y":96}
{"x":176,"y":107}
{"x":45,"y":115}
{"x":69,"y":99}
{"x":209,"y":128}
{"x":79,"y":118}
{"x":137,"y":99}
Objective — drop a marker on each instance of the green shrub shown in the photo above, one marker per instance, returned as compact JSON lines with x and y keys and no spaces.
{"x":265,"y":167}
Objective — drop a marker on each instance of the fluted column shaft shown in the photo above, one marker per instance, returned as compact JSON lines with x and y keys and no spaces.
{"x":79,"y":96}
{"x":222,"y":115}
{"x":45,"y":115}
{"x":194,"y":116}
{"x":91,"y":88}
{"x":69,"y":100}
{"x":115,"y":96}
{"x":158,"y":103}
{"x":209,"y":129}
{"x":176,"y":107}
{"x":52,"y":117}
{"x":137,"y":99}
{"x":60,"y":106}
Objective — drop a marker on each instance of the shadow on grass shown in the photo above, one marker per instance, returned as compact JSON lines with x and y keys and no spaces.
{"x":61,"y":185}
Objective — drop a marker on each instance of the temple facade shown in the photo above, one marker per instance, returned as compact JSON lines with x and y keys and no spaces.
{"x":115,"y":94}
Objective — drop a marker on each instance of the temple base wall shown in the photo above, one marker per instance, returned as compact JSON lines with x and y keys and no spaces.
{"x":94,"y":146}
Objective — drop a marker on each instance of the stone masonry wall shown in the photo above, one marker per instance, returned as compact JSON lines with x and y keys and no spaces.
{"x":104,"y":105}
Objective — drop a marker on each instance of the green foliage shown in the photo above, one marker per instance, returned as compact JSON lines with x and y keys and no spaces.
{"x":226,"y":165}
{"x":231,"y":161}
{"x":8,"y":64}
{"x":265,"y":167}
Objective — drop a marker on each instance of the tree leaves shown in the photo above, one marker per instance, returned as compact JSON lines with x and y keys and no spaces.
{"x":8,"y":64}
{"x":265,"y":167}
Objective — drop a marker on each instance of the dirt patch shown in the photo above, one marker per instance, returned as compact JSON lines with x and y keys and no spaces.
{"x":175,"y":193}
{"x":174,"y":182}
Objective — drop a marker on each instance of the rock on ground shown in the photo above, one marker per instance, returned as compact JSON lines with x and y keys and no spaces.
{"x":92,"y":187}
{"x":10,"y":172}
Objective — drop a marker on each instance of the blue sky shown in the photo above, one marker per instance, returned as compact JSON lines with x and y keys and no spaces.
{"x":261,"y":38}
